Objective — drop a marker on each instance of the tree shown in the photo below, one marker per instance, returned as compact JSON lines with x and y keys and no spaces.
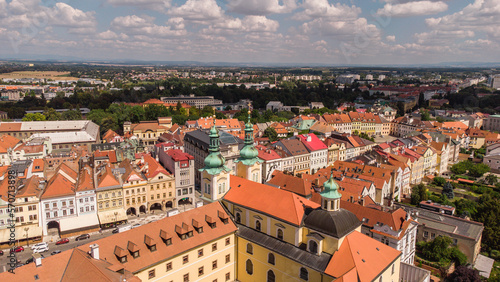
{"x":424,"y":115}
{"x":448,"y":190}
{"x":441,"y":250}
{"x":34,"y":117}
{"x":491,"y":179}
{"x":440,"y":181}
{"x":464,"y":274}
{"x":418,"y":194}
{"x":477,"y":170}
{"x":71,"y":115}
{"x":207,"y":111}
{"x":271,"y":133}
{"x":51,"y":114}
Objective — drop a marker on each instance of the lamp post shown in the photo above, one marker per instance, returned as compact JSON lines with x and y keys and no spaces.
{"x":27,"y":238}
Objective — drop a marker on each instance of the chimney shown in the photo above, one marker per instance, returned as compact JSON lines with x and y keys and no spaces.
{"x":94,"y":251}
{"x":38,"y":259}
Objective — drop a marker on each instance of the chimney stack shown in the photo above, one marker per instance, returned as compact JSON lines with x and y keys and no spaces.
{"x":94,"y":251}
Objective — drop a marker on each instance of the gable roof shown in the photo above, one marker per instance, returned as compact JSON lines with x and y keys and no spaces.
{"x":6,"y":142}
{"x":58,"y":186}
{"x":312,"y":142}
{"x":297,"y":185}
{"x":275,"y":202}
{"x":361,"y":255}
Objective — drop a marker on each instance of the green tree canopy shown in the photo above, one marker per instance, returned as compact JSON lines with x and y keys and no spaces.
{"x":34,"y":117}
{"x":271,"y":133}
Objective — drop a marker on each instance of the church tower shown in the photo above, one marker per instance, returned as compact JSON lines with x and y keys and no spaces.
{"x":330,"y":197}
{"x":215,"y":174}
{"x":248,"y":165}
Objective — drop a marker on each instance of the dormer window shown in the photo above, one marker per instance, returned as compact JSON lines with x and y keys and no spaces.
{"x":211,"y":222}
{"x":120,"y":254}
{"x":223,"y":217}
{"x":167,"y":238}
{"x":197,"y":226}
{"x":150,"y":242}
{"x":133,"y":249}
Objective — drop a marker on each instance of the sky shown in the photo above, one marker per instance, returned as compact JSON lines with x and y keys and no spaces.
{"x":329,"y":32}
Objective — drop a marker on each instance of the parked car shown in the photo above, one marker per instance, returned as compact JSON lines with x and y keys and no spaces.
{"x":30,"y":260}
{"x":41,"y":249}
{"x":135,"y":225}
{"x":62,"y":241}
{"x":124,"y":228}
{"x":1,"y":253}
{"x":17,"y":249}
{"x":116,"y":230}
{"x":55,"y":252}
{"x":43,"y":244}
{"x":82,"y":237}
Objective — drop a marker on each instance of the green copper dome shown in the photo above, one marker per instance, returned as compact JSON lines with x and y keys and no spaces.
{"x":215,"y":163}
{"x":249,"y":155}
{"x":330,"y":189}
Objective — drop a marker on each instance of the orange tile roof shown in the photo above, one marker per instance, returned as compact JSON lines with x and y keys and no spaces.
{"x":85,"y":180}
{"x":70,"y":265}
{"x":393,"y":219}
{"x":6,"y":142}
{"x":105,"y":178}
{"x":361,"y":255}
{"x":168,"y":226}
{"x":153,"y":167}
{"x":10,"y":126}
{"x":40,"y":163}
{"x":276,"y":202}
{"x":297,"y":185}
{"x":31,"y":188}
{"x":111,"y":154}
{"x":58,"y":186}
{"x":109,"y":135}
{"x":206,"y":123}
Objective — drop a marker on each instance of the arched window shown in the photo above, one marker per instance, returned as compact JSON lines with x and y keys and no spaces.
{"x":280,"y":234}
{"x":249,"y":267}
{"x":250,"y":248}
{"x":304,"y":274}
{"x":238,"y":217}
{"x":270,"y":276}
{"x":270,"y":258}
{"x":257,"y":225}
{"x":313,"y":246}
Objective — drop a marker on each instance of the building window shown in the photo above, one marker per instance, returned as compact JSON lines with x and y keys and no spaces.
{"x":270,"y":258}
{"x":228,"y":276}
{"x":249,"y":267}
{"x":186,"y":277}
{"x":228,"y":258}
{"x":169,"y":266}
{"x":200,"y":252}
{"x":270,"y":276}
{"x":393,"y":268}
{"x":151,"y":274}
{"x":200,"y":271}
{"x":238,"y":217}
{"x":214,"y":264}
{"x":304,"y":274}
{"x":228,"y":241}
{"x":214,"y":247}
{"x":250,"y":248}
{"x":257,"y":225}
{"x":185,"y":259}
{"x":313,"y":246}
{"x":280,"y":234}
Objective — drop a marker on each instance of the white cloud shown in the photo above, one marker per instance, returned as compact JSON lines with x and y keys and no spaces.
{"x":199,"y":11}
{"x":77,"y":20}
{"x":144,"y":26}
{"x":160,"y":5}
{"x":390,"y":38}
{"x":418,"y":8}
{"x":261,"y":7}
{"x":314,"y":9}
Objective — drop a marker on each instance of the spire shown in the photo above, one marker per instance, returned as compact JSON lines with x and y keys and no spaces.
{"x":249,"y":155}
{"x":330,"y":192}
{"x":215,"y":163}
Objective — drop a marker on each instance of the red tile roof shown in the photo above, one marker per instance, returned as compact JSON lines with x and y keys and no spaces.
{"x":297,"y":185}
{"x":314,"y":144}
{"x":6,"y":142}
{"x":58,"y":186}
